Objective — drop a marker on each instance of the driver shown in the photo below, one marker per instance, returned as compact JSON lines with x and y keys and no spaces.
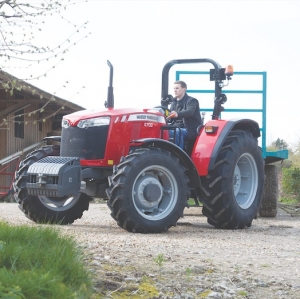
{"x":185,"y":111}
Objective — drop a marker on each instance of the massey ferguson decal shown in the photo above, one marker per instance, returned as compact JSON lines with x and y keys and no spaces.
{"x":151,"y":117}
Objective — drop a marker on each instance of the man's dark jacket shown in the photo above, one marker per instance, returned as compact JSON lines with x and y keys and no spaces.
{"x":188,"y":114}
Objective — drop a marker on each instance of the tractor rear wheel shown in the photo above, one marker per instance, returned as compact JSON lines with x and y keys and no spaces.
{"x":231,"y":193}
{"x":148,"y":191}
{"x":269,"y":203}
{"x":43,"y":209}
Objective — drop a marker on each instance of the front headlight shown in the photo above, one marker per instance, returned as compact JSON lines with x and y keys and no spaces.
{"x":94,"y":122}
{"x":65,"y":123}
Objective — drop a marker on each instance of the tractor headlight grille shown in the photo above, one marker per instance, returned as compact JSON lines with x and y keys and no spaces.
{"x":86,"y":142}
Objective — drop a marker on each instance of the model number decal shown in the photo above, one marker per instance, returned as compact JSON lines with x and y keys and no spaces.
{"x":150,"y":125}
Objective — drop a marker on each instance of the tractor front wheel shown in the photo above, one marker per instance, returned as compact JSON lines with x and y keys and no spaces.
{"x":148,"y":191}
{"x":43,"y":209}
{"x":232,"y":192}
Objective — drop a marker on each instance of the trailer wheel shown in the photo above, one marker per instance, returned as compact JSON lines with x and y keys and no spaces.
{"x":232,"y":191}
{"x":148,"y":191}
{"x":43,"y":209}
{"x":269,"y":203}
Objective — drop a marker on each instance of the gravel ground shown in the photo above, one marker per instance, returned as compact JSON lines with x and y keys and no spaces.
{"x":192,"y":260}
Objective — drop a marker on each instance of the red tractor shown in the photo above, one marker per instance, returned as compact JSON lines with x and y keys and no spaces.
{"x":126,"y":157}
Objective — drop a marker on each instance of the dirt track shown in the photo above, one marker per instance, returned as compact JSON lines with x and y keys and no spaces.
{"x":260,"y":262}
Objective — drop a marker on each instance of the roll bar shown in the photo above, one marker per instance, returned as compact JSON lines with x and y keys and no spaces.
{"x":217,"y":75}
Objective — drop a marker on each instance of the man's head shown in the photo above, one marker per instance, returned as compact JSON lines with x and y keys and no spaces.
{"x":180,"y":88}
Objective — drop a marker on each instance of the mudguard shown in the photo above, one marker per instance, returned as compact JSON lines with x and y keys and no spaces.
{"x":208,"y":145}
{"x":176,"y":151}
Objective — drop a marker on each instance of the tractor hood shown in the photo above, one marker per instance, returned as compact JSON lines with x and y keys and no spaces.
{"x":75,"y":117}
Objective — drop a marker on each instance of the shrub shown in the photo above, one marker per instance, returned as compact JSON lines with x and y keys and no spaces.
{"x":291,"y":181}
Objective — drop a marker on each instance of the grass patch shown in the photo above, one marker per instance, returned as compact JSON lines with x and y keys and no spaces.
{"x":191,"y":202}
{"x":145,"y":290}
{"x":289,"y":200}
{"x":38,"y":263}
{"x":159,"y":259}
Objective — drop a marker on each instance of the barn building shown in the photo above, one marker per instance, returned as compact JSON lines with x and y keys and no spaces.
{"x":27,"y":115}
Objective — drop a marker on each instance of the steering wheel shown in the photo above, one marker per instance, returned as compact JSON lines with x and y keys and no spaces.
{"x":169,"y":121}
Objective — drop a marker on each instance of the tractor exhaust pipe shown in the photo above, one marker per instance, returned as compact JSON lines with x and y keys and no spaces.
{"x":110,"y":93}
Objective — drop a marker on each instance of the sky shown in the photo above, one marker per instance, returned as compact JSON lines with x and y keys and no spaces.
{"x":139,"y":37}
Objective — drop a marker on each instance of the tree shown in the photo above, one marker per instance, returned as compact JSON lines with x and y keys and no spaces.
{"x":295,"y":154}
{"x":21,"y":28}
{"x":280,"y":144}
{"x":22,"y":40}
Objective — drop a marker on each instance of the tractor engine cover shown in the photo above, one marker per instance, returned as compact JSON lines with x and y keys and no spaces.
{"x":54,"y":177}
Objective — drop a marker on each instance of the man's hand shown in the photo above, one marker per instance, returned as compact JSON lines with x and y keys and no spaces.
{"x":173,"y":114}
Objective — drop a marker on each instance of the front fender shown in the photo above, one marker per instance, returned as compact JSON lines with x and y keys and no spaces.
{"x":176,"y":151}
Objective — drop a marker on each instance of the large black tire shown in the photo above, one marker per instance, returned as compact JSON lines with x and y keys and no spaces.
{"x":148,"y":191}
{"x":269,"y":203}
{"x":231,"y":193}
{"x":43,"y":209}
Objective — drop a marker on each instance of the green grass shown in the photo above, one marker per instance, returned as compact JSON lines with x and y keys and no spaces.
{"x":39,"y":263}
{"x":289,"y":200}
{"x":191,"y":202}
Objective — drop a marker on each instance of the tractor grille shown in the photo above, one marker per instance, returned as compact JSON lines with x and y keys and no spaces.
{"x":88,"y":143}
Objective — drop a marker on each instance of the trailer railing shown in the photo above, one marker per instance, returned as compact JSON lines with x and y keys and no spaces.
{"x":269,"y":156}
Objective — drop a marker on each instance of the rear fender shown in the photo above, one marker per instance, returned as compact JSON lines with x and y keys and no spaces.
{"x":176,"y":151}
{"x":207,"y":146}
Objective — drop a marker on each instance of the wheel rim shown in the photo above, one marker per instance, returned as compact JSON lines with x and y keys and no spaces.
{"x":245,"y":181}
{"x":155,"y":192}
{"x":58,"y":203}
